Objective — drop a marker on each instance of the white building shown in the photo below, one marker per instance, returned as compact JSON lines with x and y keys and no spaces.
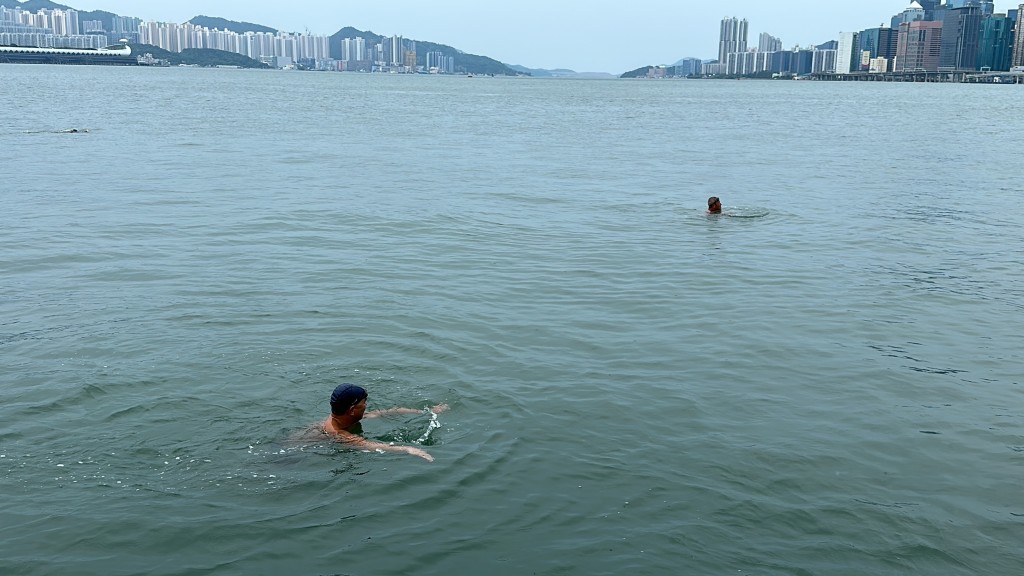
{"x":255,"y":45}
{"x":847,"y":58}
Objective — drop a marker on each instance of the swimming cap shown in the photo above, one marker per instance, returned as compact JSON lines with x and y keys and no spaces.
{"x":346,"y":396}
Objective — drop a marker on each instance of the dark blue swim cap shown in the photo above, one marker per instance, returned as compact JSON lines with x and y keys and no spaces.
{"x":346,"y":396}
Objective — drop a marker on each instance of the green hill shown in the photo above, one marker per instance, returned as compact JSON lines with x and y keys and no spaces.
{"x":198,"y":57}
{"x":464,"y":63}
{"x":237,"y":27}
{"x":33,"y":5}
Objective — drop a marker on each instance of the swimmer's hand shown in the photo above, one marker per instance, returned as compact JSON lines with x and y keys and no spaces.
{"x":439,"y":408}
{"x":418,"y":452}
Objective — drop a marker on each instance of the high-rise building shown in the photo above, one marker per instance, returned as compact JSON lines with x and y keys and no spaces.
{"x":961,"y":29}
{"x":394,"y":51}
{"x":986,"y":6}
{"x":877,"y":43}
{"x":1018,"y":44}
{"x":918,"y":47}
{"x":121,"y":24}
{"x":178,"y":37}
{"x":732,"y":38}
{"x":353,"y":50}
{"x":911,"y":14}
{"x":824,"y":60}
{"x":689,"y":67}
{"x":768,"y":43}
{"x":439,"y":63}
{"x":995,"y":47}
{"x":847,"y":55}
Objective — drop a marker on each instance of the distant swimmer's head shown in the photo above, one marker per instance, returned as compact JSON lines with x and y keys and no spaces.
{"x":714,"y":205}
{"x":344,"y":397}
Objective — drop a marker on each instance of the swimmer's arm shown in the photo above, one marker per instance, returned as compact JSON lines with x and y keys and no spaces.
{"x":400,"y":411}
{"x":364,"y":444}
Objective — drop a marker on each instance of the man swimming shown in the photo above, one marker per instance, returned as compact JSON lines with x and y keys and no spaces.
{"x":348,"y":407}
{"x":714,"y":205}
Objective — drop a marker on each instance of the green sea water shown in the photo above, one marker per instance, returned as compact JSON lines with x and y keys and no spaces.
{"x":826,"y":379}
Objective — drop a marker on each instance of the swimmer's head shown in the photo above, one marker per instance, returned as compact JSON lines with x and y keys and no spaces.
{"x":714,"y":204}
{"x":344,"y":397}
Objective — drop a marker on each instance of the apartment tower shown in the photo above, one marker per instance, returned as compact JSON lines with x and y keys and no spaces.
{"x":733,"y":38}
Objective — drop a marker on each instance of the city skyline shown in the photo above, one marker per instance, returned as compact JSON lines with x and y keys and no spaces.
{"x":611,"y":38}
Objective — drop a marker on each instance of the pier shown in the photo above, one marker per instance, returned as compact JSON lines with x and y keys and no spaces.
{"x":951,"y":76}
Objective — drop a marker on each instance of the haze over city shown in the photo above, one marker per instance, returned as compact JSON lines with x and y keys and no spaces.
{"x":583,"y":36}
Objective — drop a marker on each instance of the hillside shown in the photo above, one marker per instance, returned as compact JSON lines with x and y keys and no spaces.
{"x":37,"y":5}
{"x":559,"y":73}
{"x":33,"y":5}
{"x":197,"y":57}
{"x":237,"y":27}
{"x":464,"y":63}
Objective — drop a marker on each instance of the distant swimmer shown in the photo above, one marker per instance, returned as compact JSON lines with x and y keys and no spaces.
{"x":714,"y":205}
{"x":348,"y":407}
{"x":74,"y":131}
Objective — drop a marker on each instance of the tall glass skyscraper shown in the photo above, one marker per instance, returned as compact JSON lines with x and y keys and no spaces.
{"x":961,"y":28}
{"x":995,"y":50}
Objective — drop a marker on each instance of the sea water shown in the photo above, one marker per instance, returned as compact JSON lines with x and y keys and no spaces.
{"x":825,"y":379}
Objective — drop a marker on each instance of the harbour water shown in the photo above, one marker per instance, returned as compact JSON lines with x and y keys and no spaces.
{"x":824,"y":380}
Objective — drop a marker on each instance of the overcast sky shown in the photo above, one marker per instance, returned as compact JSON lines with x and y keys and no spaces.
{"x":583,"y":35}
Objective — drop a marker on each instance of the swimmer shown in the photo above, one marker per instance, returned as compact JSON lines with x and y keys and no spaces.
{"x":348,"y":407}
{"x":714,"y":205}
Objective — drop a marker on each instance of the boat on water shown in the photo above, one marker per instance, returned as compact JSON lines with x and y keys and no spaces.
{"x":117,"y":55}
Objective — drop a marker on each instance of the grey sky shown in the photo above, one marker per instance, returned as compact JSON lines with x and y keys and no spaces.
{"x":584,"y":35}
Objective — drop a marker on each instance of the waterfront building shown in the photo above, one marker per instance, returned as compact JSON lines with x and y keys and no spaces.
{"x":45,"y":29}
{"x":848,"y":56}
{"x":393,"y":51}
{"x":1018,"y":44}
{"x":995,"y":47}
{"x":438,"y":63}
{"x":689,"y":67}
{"x":255,"y":45}
{"x":798,"y":61}
{"x":711,"y":68}
{"x":918,"y":47}
{"x":876,"y":43}
{"x":878,"y":65}
{"x":824,"y":60}
{"x":961,"y":29}
{"x":732,"y":38}
{"x":768,"y":43}
{"x":353,"y":49}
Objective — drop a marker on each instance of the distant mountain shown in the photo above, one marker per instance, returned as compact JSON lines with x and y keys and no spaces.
{"x":33,"y":5}
{"x":37,"y":5}
{"x":237,"y":27}
{"x":638,"y":73}
{"x":464,"y":63}
{"x":559,"y":73}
